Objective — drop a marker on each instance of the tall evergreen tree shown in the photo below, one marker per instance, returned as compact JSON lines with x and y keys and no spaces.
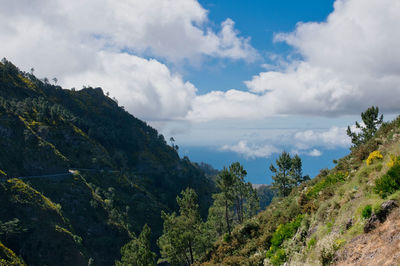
{"x":225,"y":183}
{"x":182,"y":241}
{"x":237,"y":199}
{"x":282,"y":178}
{"x":288,"y":174}
{"x":137,"y":252}
{"x":371,"y":120}
{"x":240,"y":190}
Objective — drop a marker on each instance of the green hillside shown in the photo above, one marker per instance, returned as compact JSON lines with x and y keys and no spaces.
{"x":80,"y":178}
{"x":123,"y":174}
{"x":329,"y":219}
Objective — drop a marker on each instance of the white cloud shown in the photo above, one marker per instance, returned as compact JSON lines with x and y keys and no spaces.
{"x":332,"y":138}
{"x":251,"y":151}
{"x":306,"y":142}
{"x":224,"y":105}
{"x":315,"y":153}
{"x":349,"y":62}
{"x":103,"y":42}
{"x":175,"y":30}
{"x":145,"y":87}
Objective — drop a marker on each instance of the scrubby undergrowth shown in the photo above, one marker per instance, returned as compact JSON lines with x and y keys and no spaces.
{"x":317,"y":220}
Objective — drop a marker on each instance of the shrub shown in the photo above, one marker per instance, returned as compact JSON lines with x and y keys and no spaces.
{"x":375,"y":155}
{"x":227,"y":238}
{"x":388,"y":183}
{"x":378,"y":167}
{"x":361,"y":152}
{"x":366,"y":212}
{"x":326,"y":256}
{"x":249,"y":229}
{"x":284,"y":231}
{"x":279,"y":257}
{"x":324,"y":183}
{"x":393,"y":160}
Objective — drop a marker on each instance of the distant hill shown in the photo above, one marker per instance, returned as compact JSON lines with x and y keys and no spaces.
{"x":124,"y":173}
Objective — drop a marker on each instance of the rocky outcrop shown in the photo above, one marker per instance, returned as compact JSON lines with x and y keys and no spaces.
{"x":380,"y":246}
{"x":380,"y":215}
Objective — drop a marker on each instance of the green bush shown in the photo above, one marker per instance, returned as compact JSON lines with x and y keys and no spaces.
{"x":388,"y":183}
{"x":282,"y":233}
{"x":227,"y":238}
{"x":366,"y":212}
{"x":278,"y":258}
{"x":326,"y":182}
{"x":326,"y":256}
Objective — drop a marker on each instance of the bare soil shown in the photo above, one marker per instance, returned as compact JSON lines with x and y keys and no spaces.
{"x":379,"y":247}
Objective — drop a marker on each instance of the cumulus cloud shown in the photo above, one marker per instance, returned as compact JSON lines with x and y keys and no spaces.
{"x":348,"y":63}
{"x":315,"y":153}
{"x":251,"y":151}
{"x":335,"y":137}
{"x":143,"y":86}
{"x":104,"y":43}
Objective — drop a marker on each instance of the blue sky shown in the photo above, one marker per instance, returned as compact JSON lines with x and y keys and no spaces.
{"x":229,"y":80}
{"x":259,"y":20}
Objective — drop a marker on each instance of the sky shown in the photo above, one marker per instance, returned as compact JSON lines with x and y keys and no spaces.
{"x":229,"y":80}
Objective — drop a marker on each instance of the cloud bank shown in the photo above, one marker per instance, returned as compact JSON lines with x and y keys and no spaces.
{"x":348,"y":63}
{"x":306,"y":142}
{"x":251,"y":151}
{"x":110,"y":44}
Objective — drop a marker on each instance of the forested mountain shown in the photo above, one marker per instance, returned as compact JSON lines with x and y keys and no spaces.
{"x":91,"y":174}
{"x":83,"y":182}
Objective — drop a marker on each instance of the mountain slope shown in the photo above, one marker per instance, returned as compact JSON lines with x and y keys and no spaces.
{"x":124,"y":172}
{"x":335,"y":218}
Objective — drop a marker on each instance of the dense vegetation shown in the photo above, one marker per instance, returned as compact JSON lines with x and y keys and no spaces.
{"x":83,"y":182}
{"x":319,"y":218}
{"x":125,"y":174}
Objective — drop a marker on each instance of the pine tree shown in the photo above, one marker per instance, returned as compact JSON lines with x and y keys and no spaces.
{"x":225,"y":183}
{"x":282,"y":178}
{"x":182,"y":241}
{"x":237,"y":199}
{"x":137,"y":252}
{"x":371,"y":120}
{"x":240,"y":190}
{"x":289,"y":173}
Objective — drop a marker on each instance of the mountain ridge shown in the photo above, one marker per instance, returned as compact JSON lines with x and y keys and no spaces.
{"x":45,"y":130}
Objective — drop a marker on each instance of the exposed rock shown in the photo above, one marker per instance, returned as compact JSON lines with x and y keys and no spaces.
{"x":349,"y":223}
{"x":385,"y":209}
{"x":371,"y":223}
{"x":379,"y":247}
{"x":380,"y":215}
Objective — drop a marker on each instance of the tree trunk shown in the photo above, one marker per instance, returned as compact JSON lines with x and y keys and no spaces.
{"x":191,"y":252}
{"x":238,"y":209}
{"x":227,"y":217}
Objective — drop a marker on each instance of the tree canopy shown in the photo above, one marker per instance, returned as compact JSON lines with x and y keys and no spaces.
{"x":288,"y":173}
{"x":371,"y":121}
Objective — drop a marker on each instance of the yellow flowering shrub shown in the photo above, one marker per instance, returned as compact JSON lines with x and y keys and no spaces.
{"x":393,"y":160}
{"x":375,"y":155}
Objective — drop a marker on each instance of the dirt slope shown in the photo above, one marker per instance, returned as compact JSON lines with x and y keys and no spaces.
{"x":378,"y":247}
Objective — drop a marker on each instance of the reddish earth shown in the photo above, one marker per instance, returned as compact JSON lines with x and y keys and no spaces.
{"x":379,"y":247}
